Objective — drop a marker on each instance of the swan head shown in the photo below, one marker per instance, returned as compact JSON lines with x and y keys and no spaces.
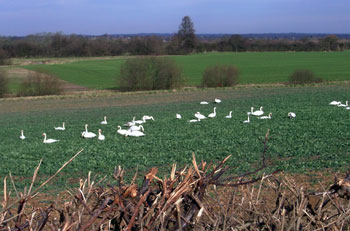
{"x":119,"y":127}
{"x":86,"y":125}
{"x":44,"y":134}
{"x":99,"y":130}
{"x":142,"y":128}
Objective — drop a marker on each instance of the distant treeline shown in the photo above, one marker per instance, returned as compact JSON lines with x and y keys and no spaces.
{"x":60,"y":45}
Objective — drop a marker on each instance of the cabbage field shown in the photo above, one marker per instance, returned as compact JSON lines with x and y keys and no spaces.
{"x":317,"y":139}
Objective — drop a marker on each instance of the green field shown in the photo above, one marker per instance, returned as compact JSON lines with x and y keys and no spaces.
{"x":317,"y":139}
{"x":255,"y":68}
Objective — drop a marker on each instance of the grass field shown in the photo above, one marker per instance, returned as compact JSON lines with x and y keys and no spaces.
{"x":255,"y":68}
{"x":317,"y":139}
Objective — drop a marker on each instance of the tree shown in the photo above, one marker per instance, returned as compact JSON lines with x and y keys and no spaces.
{"x":329,"y":43}
{"x":150,"y":73}
{"x":186,"y":36}
{"x":3,"y":57}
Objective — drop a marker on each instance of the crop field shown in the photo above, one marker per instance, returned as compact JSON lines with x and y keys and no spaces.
{"x":317,"y":139}
{"x":255,"y":68}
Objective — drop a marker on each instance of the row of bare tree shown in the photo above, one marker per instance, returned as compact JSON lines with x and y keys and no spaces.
{"x":184,"y":41}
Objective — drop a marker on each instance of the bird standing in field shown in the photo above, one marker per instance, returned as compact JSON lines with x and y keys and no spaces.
{"x":87,"y":134}
{"x":22,"y":137}
{"x":291,"y":115}
{"x":178,"y":116}
{"x":100,"y":136}
{"x":199,"y":116}
{"x":247,"y":121}
{"x":216,"y":100}
{"x":212,"y":115}
{"x":259,"y":112}
{"x":229,"y":116}
{"x":104,"y":120}
{"x":146,"y":117}
{"x":266,"y":117}
{"x":60,"y":128}
{"x":135,"y":133}
{"x":48,"y":141}
{"x":335,"y":103}
{"x":122,"y":131}
{"x":136,"y":128}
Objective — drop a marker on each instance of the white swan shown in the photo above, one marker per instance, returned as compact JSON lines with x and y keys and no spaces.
{"x":60,"y":128}
{"x":100,"y":136}
{"x":335,"y":103}
{"x":88,"y":134}
{"x":178,"y":116}
{"x":199,"y":116}
{"x":204,"y":102}
{"x":259,"y":112}
{"x":247,"y":121}
{"x":216,"y":100}
{"x":104,"y":120}
{"x":135,"y":133}
{"x":132,"y":123}
{"x":48,"y":141}
{"x":122,"y":131}
{"x":194,"y":120}
{"x":22,"y":137}
{"x":266,"y":117}
{"x":229,"y":116}
{"x":146,"y":117}
{"x":212,"y":115}
{"x":291,"y":115}
{"x":140,"y":121}
{"x":343,"y":105}
{"x":136,"y":128}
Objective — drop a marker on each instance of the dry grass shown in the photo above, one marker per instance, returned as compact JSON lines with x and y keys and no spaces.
{"x":197,"y":197}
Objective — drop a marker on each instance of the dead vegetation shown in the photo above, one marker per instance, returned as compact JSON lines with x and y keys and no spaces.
{"x":202,"y":196}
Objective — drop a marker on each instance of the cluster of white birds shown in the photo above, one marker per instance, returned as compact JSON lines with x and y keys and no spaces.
{"x":134,"y":129}
{"x":340,"y":104}
{"x":259,"y":114}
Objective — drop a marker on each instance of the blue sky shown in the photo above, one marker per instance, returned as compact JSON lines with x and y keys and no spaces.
{"x":23,"y":17}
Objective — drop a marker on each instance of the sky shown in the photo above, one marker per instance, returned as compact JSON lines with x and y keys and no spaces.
{"x":97,"y":17}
